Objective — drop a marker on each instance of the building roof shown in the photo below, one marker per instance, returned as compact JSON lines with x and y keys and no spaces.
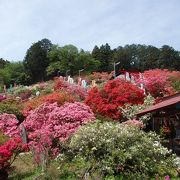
{"x":165,"y":103}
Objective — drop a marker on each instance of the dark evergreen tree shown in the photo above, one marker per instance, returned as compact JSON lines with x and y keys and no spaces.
{"x":169,"y":58}
{"x":3,"y":63}
{"x":104,"y":54}
{"x":36,"y":60}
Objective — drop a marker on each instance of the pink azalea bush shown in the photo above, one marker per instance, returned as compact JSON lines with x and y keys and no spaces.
{"x":156,"y":82}
{"x":50,"y":122}
{"x":2,"y":97}
{"x":78,"y":91}
{"x":9,"y":124}
{"x":134,"y":122}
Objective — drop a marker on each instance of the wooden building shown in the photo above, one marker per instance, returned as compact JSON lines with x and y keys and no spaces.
{"x":166,"y":120}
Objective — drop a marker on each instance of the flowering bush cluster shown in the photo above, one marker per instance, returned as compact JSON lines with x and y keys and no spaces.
{"x":2,"y":98}
{"x":9,"y":124}
{"x":59,"y":97}
{"x":78,"y":91}
{"x":19,"y":89}
{"x":134,"y":122}
{"x":157,"y":82}
{"x":115,"y":93}
{"x":129,"y":111}
{"x":38,"y":87}
{"x":113,"y":148}
{"x":25,"y":95}
{"x":101,"y":77}
{"x":59,"y":84}
{"x":8,"y":152}
{"x":49,"y":122}
{"x":43,"y":85}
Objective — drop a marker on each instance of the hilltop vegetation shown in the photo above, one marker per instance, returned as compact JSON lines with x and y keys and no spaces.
{"x":44,"y":60}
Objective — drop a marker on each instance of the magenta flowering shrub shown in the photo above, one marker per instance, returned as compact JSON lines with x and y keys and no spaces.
{"x":2,"y":97}
{"x":78,"y":91}
{"x":9,"y":124}
{"x":43,"y":85}
{"x":156,"y":82}
{"x":49,"y":122}
{"x":69,"y":117}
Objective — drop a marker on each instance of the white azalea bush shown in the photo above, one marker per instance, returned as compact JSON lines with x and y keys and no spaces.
{"x":129,"y":111}
{"x":117,"y":149}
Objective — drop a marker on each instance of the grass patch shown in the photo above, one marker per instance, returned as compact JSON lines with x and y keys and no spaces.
{"x":24,"y":168}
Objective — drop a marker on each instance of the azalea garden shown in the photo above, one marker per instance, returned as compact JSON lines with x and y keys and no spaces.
{"x":71,"y":131}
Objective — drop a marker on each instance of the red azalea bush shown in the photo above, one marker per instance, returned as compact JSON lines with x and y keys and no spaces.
{"x":8,"y":152}
{"x":59,"y":84}
{"x":157,"y":82}
{"x":59,"y":97}
{"x":49,"y":122}
{"x":9,"y":124}
{"x":114,"y":93}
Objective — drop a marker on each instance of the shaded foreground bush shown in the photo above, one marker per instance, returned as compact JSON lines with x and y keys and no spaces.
{"x":112,"y":149}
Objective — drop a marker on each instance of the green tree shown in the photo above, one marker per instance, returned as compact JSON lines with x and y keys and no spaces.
{"x":62,"y":59}
{"x":147,"y":57}
{"x":142,"y":57}
{"x":136,"y":57}
{"x":103,"y":54}
{"x":3,"y":63}
{"x":87,"y":62}
{"x":122,"y":55}
{"x":68,"y":58}
{"x":36,"y":60}
{"x":169,"y":58}
{"x":12,"y":73}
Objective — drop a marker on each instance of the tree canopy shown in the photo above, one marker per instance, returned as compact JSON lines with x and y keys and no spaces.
{"x":69,"y":59}
{"x":36,"y":60}
{"x":45,"y":60}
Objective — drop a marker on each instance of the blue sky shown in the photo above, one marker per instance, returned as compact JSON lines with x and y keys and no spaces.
{"x":86,"y":23}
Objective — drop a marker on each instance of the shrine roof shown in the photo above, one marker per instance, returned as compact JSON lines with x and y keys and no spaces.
{"x":165,"y":103}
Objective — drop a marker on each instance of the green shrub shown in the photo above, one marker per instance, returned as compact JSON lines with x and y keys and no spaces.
{"x":3,"y":138}
{"x":116,"y":149}
{"x":46,"y":91}
{"x":19,"y":90}
{"x":129,"y":111}
{"x":11,"y":107}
